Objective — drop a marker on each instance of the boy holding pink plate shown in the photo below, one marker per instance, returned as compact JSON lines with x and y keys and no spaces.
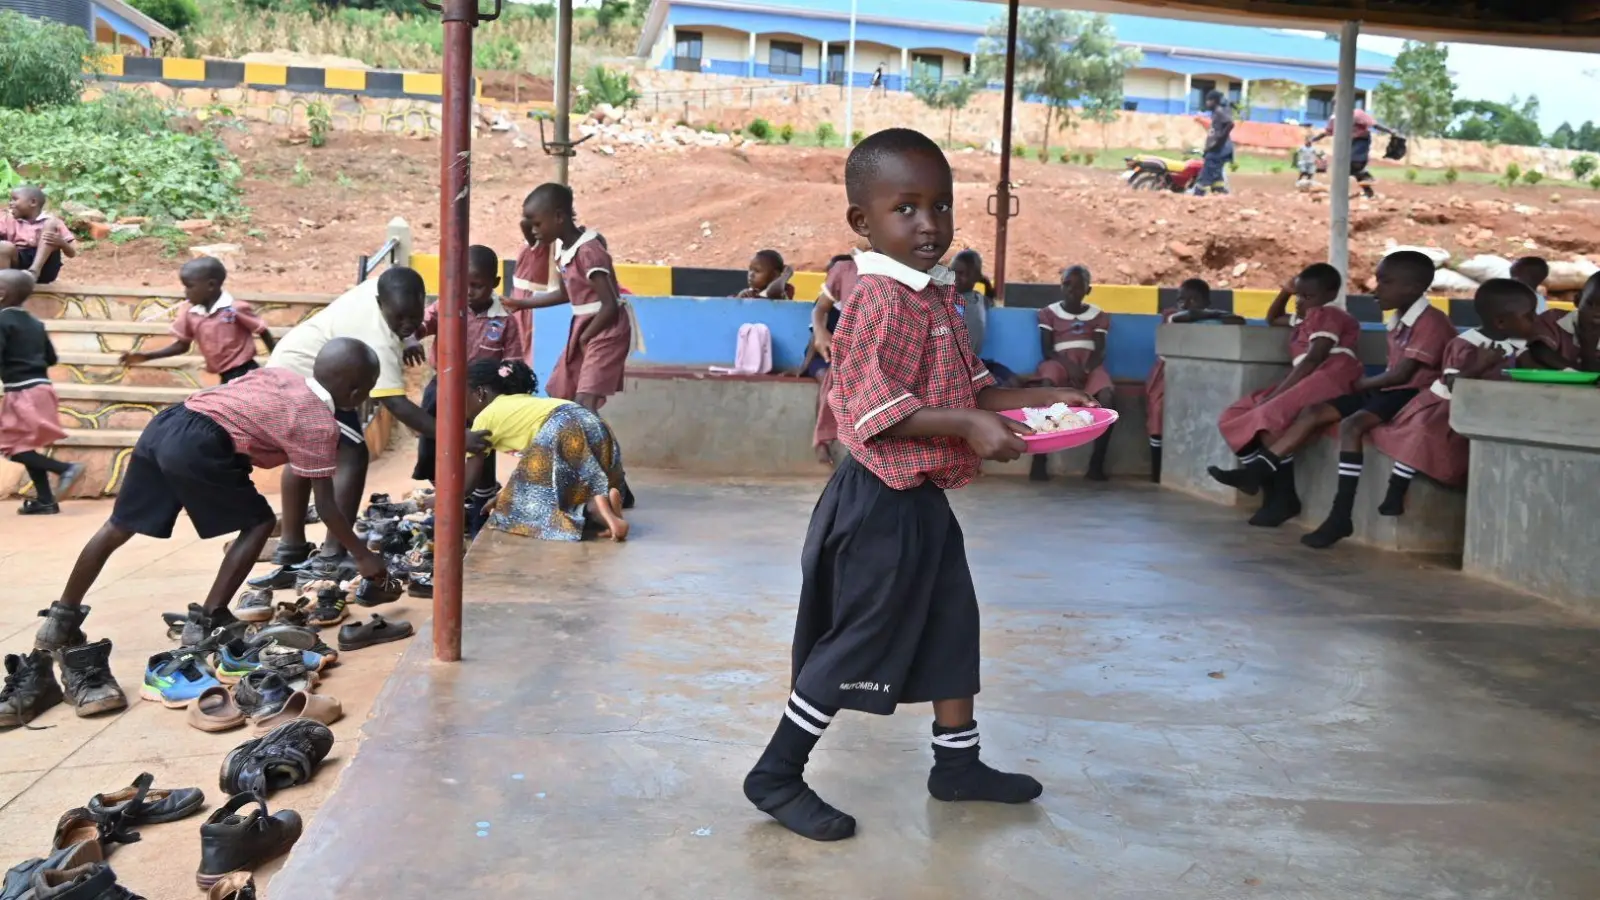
{"x":888,"y":613}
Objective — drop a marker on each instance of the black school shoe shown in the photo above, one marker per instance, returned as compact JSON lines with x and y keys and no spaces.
{"x":87,"y":672}
{"x":94,"y":881}
{"x":63,"y":627}
{"x":233,"y":842}
{"x":30,"y":688}
{"x":378,"y":630}
{"x":283,"y":757}
{"x":137,"y":804}
{"x":210,"y":630}
{"x":32,"y":507}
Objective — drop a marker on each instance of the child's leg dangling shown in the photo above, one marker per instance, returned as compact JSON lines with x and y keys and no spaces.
{"x":1394,"y":502}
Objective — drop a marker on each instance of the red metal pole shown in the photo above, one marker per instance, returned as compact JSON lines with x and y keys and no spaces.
{"x":1002,"y":193}
{"x":455,"y":179}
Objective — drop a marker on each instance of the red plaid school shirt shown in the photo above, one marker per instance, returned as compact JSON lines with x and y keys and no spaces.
{"x":901,"y":346}
{"x":274,"y":417}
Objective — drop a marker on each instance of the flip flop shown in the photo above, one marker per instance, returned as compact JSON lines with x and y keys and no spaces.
{"x":215,"y":710}
{"x":302,"y":705}
{"x":378,"y":630}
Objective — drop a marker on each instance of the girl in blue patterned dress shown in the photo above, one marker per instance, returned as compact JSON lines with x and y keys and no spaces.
{"x":569,"y":476}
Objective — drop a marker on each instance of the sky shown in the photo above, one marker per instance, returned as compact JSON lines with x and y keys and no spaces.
{"x":1566,"y":83}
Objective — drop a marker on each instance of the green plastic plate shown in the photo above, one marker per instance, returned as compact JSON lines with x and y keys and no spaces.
{"x":1550,"y":376}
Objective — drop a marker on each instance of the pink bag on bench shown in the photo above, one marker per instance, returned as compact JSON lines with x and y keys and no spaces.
{"x":753,"y":356}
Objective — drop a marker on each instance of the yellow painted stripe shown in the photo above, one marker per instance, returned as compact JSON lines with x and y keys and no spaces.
{"x":1252,"y":303}
{"x":807,"y":285}
{"x":1122,"y":298}
{"x":646,"y":281}
{"x":1562,"y":304}
{"x":423,"y":83}
{"x":109,"y":65}
{"x":1440,"y":303}
{"x":427,"y":265}
{"x":183,"y":69}
{"x":265,"y":73}
{"x":345,"y":79}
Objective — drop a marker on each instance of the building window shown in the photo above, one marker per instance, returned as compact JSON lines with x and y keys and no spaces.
{"x":1319,"y":105}
{"x":927,"y":68}
{"x":1130,"y":106}
{"x":784,"y":58}
{"x":686,"y":52}
{"x":1200,"y":87}
{"x":836,"y":57}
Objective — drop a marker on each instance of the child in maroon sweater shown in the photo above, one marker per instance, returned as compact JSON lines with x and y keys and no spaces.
{"x":888,"y":612}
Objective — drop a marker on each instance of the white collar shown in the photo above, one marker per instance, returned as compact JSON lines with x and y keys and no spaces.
{"x":322,"y":393}
{"x":1511,"y":346}
{"x":1411,"y":315}
{"x":564,"y":254}
{"x":1089,"y":311}
{"x":1569,"y":323}
{"x":223,"y":302}
{"x":875,"y":263}
{"x":496,"y":310}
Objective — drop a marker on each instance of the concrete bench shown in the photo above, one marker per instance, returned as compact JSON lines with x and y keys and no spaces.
{"x":1209,"y":367}
{"x":1532,"y":520}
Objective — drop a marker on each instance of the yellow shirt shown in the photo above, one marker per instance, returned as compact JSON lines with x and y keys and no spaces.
{"x":512,"y":421}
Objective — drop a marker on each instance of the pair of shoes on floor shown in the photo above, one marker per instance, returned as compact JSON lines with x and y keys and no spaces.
{"x":90,"y":881}
{"x":240,"y":657}
{"x":30,"y":685}
{"x":376,"y":630}
{"x":234,"y":841}
{"x":18,"y":881}
{"x":286,"y":756}
{"x":217,"y":710}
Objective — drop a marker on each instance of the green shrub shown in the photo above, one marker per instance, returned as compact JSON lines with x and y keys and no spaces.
{"x":826,"y":133}
{"x":1277,"y":170}
{"x":857,"y":137}
{"x":1065,"y":156}
{"x":603,"y":85}
{"x":320,"y":123}
{"x":760,"y":129}
{"x":1019,"y":150}
{"x":1451,"y":175}
{"x":786,"y":133}
{"x":1088,"y":159}
{"x":175,"y":14}
{"x":1594,"y":182}
{"x":1513,"y":174}
{"x":1043,"y":155}
{"x":41,"y":63}
{"x":119,"y":155}
{"x":1584,"y":166}
{"x":1532,"y":176}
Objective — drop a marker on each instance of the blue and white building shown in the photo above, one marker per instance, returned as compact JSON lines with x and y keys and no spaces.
{"x":808,"y":40}
{"x":114,"y":23}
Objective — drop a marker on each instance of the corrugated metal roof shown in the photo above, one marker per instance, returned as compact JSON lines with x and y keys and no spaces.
{"x":967,"y":15}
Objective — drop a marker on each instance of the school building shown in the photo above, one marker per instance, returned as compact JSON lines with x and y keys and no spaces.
{"x":112,"y":22}
{"x":1266,"y":71}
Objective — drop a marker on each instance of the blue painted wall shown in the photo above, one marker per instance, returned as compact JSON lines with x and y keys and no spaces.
{"x":703,"y":332}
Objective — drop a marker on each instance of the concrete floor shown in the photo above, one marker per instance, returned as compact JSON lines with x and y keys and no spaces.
{"x":1214,"y":711}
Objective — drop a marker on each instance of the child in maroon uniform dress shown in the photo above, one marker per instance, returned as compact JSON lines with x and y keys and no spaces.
{"x":592,"y":365}
{"x":888,"y":613}
{"x":531,"y":275}
{"x":768,"y":277}
{"x":1420,"y":438}
{"x":29,"y":421}
{"x":32,"y":241}
{"x":225,"y":328}
{"x":1072,"y":339}
{"x":1418,"y":333}
{"x":836,"y":289}
{"x":1322,"y":339}
{"x":1575,"y":333}
{"x":1194,"y":305}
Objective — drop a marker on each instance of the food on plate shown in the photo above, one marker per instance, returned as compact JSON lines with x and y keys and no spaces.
{"x":1059,"y":417}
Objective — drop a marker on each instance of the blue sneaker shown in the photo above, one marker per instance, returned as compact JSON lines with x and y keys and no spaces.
{"x":175,"y":678}
{"x":239,"y":658}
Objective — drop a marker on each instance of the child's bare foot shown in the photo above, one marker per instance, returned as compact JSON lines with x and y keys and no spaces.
{"x":823,"y":455}
{"x":608,"y":507}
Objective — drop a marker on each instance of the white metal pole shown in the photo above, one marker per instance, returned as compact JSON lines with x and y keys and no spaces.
{"x":1339,"y":181}
{"x":850,"y":80}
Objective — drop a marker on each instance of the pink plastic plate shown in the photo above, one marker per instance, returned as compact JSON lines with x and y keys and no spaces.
{"x":1062,"y":440}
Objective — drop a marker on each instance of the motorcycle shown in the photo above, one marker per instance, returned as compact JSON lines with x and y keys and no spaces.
{"x":1146,"y":172}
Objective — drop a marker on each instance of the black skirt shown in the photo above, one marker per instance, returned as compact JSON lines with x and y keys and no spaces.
{"x":888,"y":612}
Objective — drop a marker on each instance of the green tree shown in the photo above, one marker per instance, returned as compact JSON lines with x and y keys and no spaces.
{"x":1063,"y":59}
{"x":41,"y":63}
{"x":951,"y":95}
{"x":1584,"y":166}
{"x":1587,"y":138}
{"x":175,"y":14}
{"x":1500,"y":123}
{"x":1563,"y":136}
{"x":1418,"y":95}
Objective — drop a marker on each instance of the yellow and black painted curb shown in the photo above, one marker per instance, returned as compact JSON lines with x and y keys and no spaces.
{"x":224,"y":74}
{"x":1124,"y":299}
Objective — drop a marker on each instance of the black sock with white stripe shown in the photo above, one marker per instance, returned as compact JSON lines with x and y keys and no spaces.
{"x":1155,"y":458}
{"x":1338,"y":525}
{"x":777,"y":784}
{"x":1394,"y":502}
{"x":958,"y":773}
